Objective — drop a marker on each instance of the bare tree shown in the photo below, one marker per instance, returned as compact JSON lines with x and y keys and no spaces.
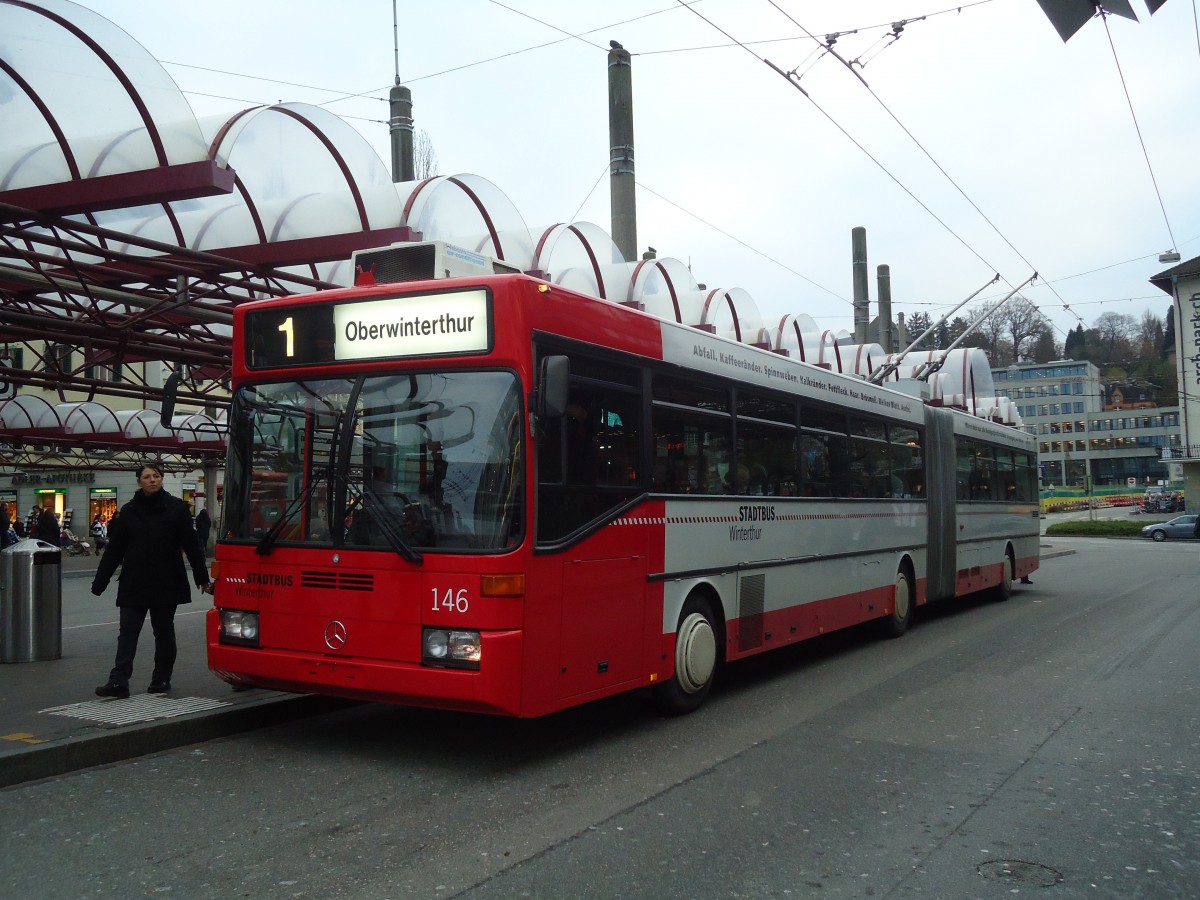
{"x":990,"y":332}
{"x":424,"y":156}
{"x":1010,"y":333}
{"x":1150,"y":335}
{"x":1025,"y":324}
{"x":1113,"y":334}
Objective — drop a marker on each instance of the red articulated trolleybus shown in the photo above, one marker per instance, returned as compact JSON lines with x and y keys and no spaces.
{"x":494,"y":494}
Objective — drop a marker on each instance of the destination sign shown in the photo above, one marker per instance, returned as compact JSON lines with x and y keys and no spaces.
{"x":380,"y":328}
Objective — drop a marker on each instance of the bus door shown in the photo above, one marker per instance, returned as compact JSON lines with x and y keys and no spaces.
{"x":603,"y":623}
{"x":588,"y":471}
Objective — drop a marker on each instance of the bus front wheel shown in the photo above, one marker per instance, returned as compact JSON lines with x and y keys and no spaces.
{"x":695,"y":661}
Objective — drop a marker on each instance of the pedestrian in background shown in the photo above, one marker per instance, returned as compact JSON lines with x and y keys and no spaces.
{"x":149,"y":540}
{"x":48,"y":529}
{"x":203,"y":527}
{"x":4,"y":526}
{"x":99,"y":533}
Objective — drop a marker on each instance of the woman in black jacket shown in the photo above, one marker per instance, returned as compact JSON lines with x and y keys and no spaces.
{"x":48,"y":529}
{"x":148,"y":540}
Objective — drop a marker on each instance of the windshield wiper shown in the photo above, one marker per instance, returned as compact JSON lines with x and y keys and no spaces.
{"x":385,"y":518}
{"x":267,"y":544}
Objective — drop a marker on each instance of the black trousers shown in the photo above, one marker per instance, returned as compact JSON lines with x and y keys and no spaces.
{"x":162,"y":620}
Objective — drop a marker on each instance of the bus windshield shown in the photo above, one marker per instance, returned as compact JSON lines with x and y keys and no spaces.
{"x":429,"y":461}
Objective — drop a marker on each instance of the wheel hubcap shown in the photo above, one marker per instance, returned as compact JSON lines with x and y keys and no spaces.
{"x":903,"y":598}
{"x":695,"y":653}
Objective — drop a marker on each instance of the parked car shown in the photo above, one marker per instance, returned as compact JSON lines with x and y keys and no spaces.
{"x":1178,"y":527}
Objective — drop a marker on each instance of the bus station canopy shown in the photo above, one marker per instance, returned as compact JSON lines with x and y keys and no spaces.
{"x":130,"y":228}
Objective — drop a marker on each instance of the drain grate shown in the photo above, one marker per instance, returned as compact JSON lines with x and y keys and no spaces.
{"x":143,"y":708}
{"x":1018,"y":872}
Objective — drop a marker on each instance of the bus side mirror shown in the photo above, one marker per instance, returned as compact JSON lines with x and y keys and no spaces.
{"x":553,"y":386}
{"x":170,"y":390}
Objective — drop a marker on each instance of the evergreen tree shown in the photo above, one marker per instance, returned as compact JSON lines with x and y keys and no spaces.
{"x":918,"y":324}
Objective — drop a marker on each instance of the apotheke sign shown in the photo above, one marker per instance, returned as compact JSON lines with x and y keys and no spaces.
{"x":51,"y":478}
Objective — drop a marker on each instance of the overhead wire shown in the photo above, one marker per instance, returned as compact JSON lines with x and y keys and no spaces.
{"x":547,"y":24}
{"x":737,"y":240}
{"x":936,"y":165}
{"x":851,"y":138}
{"x":368,"y":94}
{"x":345,"y":95}
{"x":1137,"y":127}
{"x":734,"y":42}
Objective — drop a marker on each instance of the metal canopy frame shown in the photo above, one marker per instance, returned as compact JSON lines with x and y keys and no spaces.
{"x":116,"y":299}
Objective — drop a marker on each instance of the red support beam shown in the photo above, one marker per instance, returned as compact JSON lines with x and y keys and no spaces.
{"x":127,"y":189}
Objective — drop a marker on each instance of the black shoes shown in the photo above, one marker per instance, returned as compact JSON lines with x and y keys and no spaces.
{"x":121,"y":691}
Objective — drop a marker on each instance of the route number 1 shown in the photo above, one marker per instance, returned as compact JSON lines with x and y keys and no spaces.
{"x":286,"y":328}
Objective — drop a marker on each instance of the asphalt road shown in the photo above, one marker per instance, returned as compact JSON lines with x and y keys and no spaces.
{"x":1047,"y":746}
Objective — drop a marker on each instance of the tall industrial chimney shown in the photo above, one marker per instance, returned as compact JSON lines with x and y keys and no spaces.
{"x":620,"y":155}
{"x":401,"y":126}
{"x":883,"y":333}
{"x":862,"y":302}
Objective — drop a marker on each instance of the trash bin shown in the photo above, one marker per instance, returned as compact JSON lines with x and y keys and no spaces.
{"x":30,"y":602}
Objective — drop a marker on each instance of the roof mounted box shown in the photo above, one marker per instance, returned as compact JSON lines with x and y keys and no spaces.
{"x":421,"y":261}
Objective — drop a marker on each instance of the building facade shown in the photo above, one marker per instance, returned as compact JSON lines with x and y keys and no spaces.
{"x":86,"y":483}
{"x":1086,"y":430}
{"x":1182,"y":284}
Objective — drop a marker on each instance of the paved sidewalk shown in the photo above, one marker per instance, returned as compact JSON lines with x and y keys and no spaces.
{"x":51,"y":721}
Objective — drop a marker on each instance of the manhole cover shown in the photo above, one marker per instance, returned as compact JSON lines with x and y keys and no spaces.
{"x":1016,"y":871}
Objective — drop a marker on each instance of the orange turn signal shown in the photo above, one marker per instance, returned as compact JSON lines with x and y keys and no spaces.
{"x":502,"y":585}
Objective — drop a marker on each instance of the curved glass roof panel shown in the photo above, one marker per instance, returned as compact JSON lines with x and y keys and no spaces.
{"x":283,"y":155}
{"x":471,"y":212}
{"x":131,"y":115}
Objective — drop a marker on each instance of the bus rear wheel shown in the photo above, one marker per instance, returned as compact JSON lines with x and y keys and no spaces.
{"x":897,"y":622}
{"x":695,"y":661}
{"x":1004,"y":590}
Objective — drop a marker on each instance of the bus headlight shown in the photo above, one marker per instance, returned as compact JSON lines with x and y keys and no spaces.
{"x":239,"y":627}
{"x":452,"y":649}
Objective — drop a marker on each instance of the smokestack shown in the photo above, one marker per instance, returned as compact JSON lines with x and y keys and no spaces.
{"x":883,"y":277}
{"x":620,"y":154}
{"x":401,"y":127}
{"x":862,"y":302}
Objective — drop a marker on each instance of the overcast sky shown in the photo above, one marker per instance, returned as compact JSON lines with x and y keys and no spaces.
{"x":978,"y":114}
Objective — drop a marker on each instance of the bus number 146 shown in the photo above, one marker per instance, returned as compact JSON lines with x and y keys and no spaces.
{"x":451,"y":601}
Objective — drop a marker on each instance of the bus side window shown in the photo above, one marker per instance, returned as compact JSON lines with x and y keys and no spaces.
{"x":588,"y":458}
{"x":580,"y":427}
